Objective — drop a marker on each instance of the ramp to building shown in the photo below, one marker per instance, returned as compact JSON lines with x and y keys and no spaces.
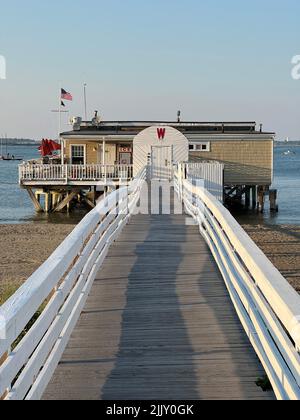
{"x":158,"y":324}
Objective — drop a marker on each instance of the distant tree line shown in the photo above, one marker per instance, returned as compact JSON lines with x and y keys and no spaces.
{"x":18,"y":141}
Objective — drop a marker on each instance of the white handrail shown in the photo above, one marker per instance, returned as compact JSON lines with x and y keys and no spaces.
{"x":268,"y":307}
{"x":62,"y":284}
{"x":66,"y":173}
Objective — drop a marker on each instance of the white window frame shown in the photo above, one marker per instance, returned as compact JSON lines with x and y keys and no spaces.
{"x":84,"y":151}
{"x":195,"y":146}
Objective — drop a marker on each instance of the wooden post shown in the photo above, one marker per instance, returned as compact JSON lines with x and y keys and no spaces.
{"x":254,"y":197}
{"x":247,"y":198}
{"x":261,"y":199}
{"x":55,"y":199}
{"x":35,"y":201}
{"x":68,"y":205}
{"x":47,"y":202}
{"x":273,"y":201}
{"x":104,"y":158}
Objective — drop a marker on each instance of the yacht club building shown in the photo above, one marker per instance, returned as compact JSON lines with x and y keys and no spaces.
{"x":108,"y":153}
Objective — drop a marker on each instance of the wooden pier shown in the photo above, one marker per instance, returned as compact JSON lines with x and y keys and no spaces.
{"x":158,"y":324}
{"x":153,"y":307}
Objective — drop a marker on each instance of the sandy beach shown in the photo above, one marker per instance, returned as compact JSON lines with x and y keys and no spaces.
{"x":281,"y":244}
{"x":23,"y":249}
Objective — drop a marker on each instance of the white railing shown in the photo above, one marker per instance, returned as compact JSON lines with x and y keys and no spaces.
{"x":212,"y":174}
{"x":71,"y":173}
{"x":268,"y":307}
{"x":61,"y":286}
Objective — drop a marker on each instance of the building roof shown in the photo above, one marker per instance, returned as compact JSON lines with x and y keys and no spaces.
{"x":132,"y":128}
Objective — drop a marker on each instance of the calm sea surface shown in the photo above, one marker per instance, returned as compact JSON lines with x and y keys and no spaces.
{"x":15,"y":204}
{"x":287,"y":182}
{"x":16,"y":207}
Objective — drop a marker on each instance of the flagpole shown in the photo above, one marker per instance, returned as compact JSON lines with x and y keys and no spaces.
{"x":59,"y":128}
{"x":85,"y":101}
{"x":59,"y":112}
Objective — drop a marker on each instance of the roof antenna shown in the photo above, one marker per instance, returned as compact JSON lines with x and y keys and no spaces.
{"x":179,"y":116}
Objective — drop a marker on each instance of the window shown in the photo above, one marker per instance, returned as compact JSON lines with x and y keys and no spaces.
{"x":200,"y":147}
{"x":77,"y":155}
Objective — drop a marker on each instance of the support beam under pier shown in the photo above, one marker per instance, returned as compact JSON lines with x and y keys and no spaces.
{"x":36,"y":203}
{"x":66,"y":201}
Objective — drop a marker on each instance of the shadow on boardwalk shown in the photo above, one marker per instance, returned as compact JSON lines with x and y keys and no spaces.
{"x":158,"y":324}
{"x":155,"y":358}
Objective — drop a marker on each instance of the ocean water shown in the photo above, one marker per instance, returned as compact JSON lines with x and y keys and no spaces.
{"x":287,"y":182}
{"x":16,"y":206}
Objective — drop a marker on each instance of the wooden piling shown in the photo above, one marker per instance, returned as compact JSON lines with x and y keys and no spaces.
{"x":47,"y":202}
{"x":273,"y":201}
{"x":36,"y":203}
{"x":261,"y":199}
{"x":254,"y":197}
{"x":247,"y":197}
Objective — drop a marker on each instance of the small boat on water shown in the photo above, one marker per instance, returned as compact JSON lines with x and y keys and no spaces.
{"x":7,"y":156}
{"x":11,"y":158}
{"x":289,"y":153}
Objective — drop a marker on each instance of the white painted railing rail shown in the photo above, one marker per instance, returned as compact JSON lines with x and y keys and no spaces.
{"x":268,"y":307}
{"x":70,"y":173}
{"x":211,"y":172}
{"x":61,"y":285}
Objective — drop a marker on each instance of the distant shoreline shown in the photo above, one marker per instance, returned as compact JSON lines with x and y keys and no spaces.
{"x":23,"y":144}
{"x":291,"y":143}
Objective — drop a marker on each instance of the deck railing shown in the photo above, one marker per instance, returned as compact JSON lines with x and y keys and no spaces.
{"x":72,"y":173}
{"x":268,"y":307}
{"x":59,"y":288}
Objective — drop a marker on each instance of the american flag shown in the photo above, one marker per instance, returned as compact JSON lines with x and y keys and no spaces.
{"x":66,"y":95}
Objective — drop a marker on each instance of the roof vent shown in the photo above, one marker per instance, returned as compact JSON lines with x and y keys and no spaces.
{"x":97,"y":119}
{"x":76,"y":122}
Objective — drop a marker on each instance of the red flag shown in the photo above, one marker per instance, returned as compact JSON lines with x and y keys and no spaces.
{"x":48,"y":147}
{"x":55,"y":146}
{"x":45,"y":148}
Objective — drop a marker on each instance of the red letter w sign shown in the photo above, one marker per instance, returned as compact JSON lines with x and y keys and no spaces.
{"x":161,"y":132}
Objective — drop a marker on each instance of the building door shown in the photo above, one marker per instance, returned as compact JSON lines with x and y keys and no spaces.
{"x":161,"y":162}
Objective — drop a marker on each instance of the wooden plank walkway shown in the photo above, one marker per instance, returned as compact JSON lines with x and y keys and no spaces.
{"x":158,"y":324}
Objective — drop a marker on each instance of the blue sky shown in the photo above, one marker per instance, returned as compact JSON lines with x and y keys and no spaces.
{"x":214,"y":60}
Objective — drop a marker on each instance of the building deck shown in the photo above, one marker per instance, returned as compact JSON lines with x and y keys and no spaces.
{"x":158,"y":324}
